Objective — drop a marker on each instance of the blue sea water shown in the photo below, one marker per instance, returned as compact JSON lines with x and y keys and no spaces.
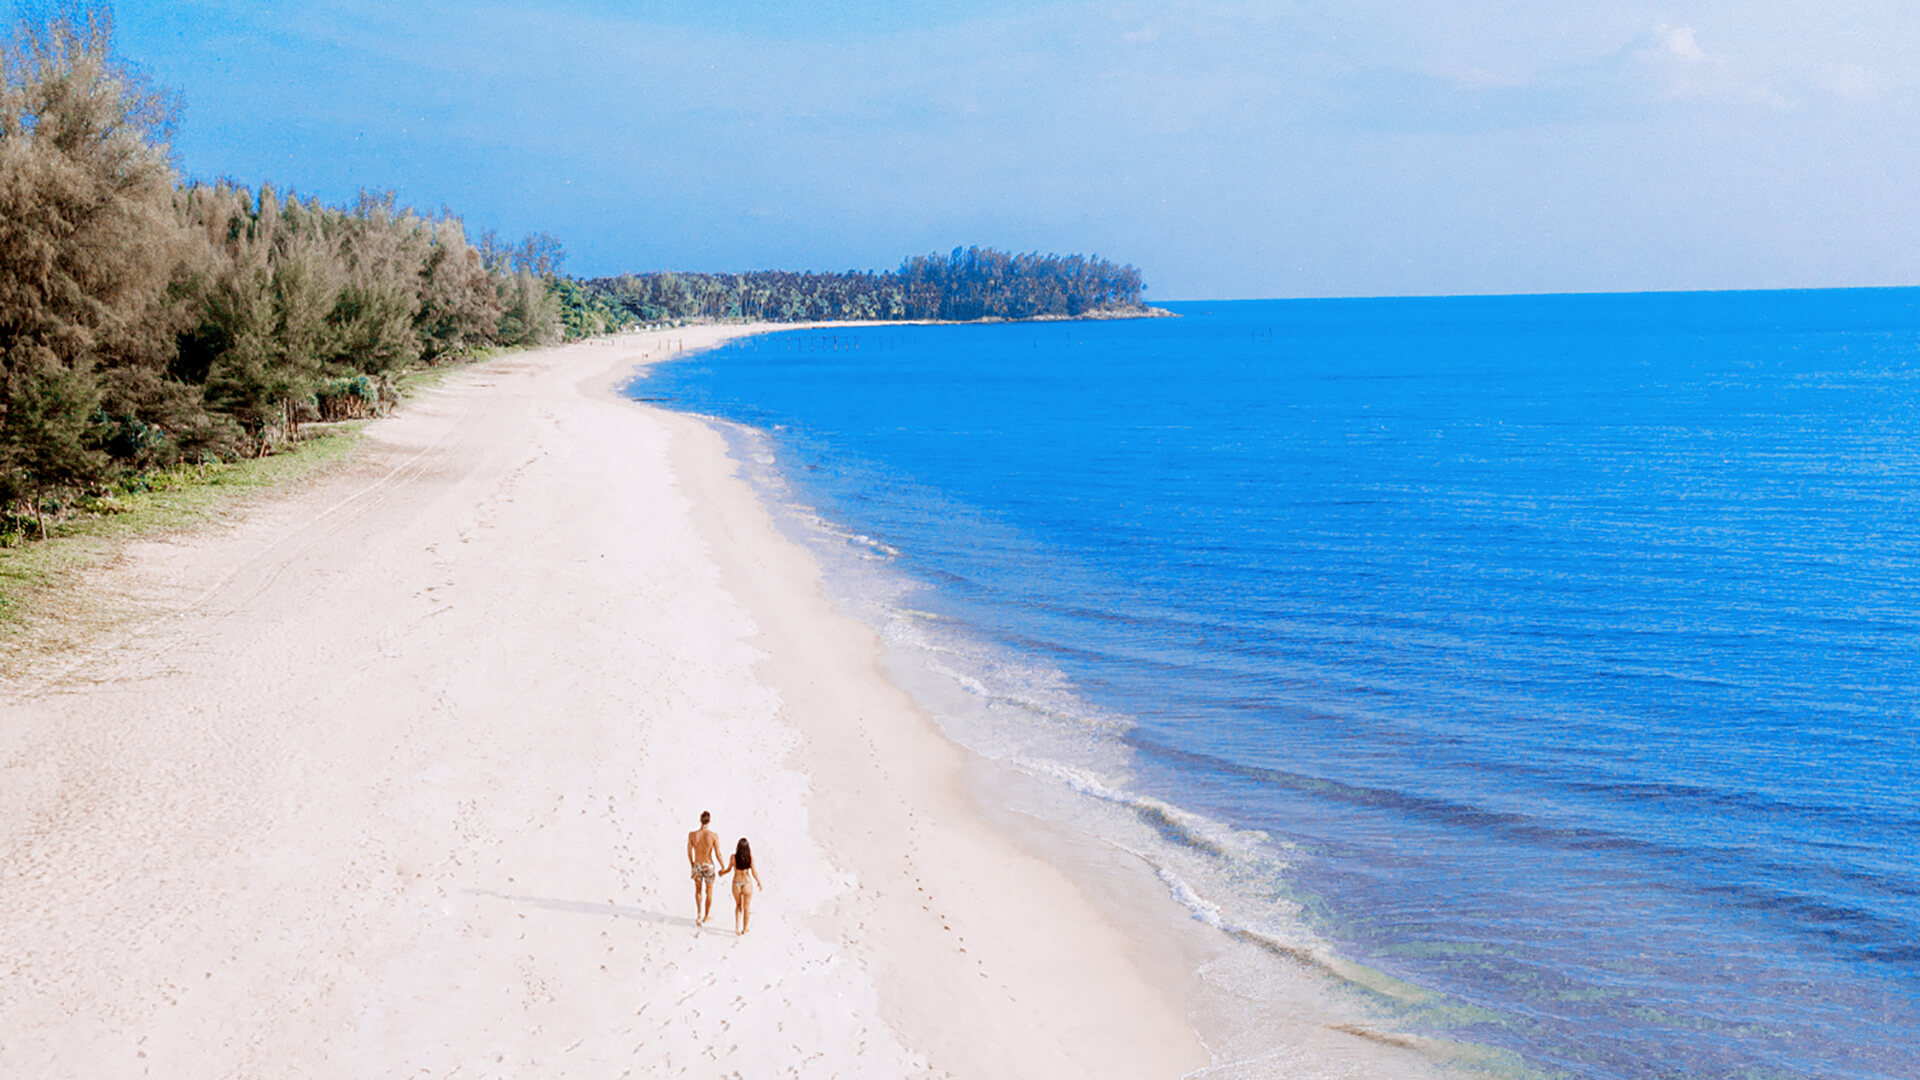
{"x":1559,"y":655}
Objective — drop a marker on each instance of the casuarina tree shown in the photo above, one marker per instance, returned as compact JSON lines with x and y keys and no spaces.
{"x":88,"y":240}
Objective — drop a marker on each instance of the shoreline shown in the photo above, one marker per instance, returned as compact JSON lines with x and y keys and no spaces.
{"x":1313,"y":1009}
{"x":951,"y":919}
{"x":392,"y":774}
{"x":751,"y":327}
{"x":938,"y":845}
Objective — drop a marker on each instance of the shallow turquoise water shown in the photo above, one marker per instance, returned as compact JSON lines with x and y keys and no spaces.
{"x":1563,"y":648}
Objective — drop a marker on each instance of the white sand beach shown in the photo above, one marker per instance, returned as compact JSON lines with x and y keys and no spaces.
{"x":391,"y":776}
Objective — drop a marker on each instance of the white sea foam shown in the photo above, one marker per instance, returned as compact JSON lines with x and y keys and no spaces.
{"x":1203,"y":909}
{"x":1193,"y":830}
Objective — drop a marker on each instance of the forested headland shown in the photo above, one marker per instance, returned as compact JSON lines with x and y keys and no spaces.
{"x":968,"y":284}
{"x":147,"y":320}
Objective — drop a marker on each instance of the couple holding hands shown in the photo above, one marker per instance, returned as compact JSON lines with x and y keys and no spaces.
{"x":703,"y":852}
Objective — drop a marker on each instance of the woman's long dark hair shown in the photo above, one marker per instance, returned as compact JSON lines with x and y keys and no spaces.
{"x":742,"y":855}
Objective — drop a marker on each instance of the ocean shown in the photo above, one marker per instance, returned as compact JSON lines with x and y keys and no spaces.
{"x":1553,"y":658}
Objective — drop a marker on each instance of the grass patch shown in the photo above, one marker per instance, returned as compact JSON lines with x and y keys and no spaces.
{"x":411,"y":381}
{"x":32,"y":572}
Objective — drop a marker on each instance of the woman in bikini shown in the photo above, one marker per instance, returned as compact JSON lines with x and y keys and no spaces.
{"x":745,"y":881}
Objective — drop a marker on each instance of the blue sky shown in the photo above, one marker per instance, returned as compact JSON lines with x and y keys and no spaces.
{"x":1227,"y":149}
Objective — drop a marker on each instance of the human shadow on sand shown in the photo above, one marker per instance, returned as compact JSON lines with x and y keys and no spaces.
{"x":582,"y":907}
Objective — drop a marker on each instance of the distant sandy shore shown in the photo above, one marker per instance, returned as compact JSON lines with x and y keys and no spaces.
{"x":392,"y":776}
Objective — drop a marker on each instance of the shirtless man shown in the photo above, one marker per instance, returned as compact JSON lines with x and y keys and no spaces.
{"x":703,"y":854}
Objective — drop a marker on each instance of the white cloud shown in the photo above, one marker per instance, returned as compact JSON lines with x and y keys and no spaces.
{"x":1679,"y":41}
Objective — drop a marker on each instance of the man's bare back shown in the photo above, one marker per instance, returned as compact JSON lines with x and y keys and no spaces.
{"x":703,"y":855}
{"x":703,"y":846}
